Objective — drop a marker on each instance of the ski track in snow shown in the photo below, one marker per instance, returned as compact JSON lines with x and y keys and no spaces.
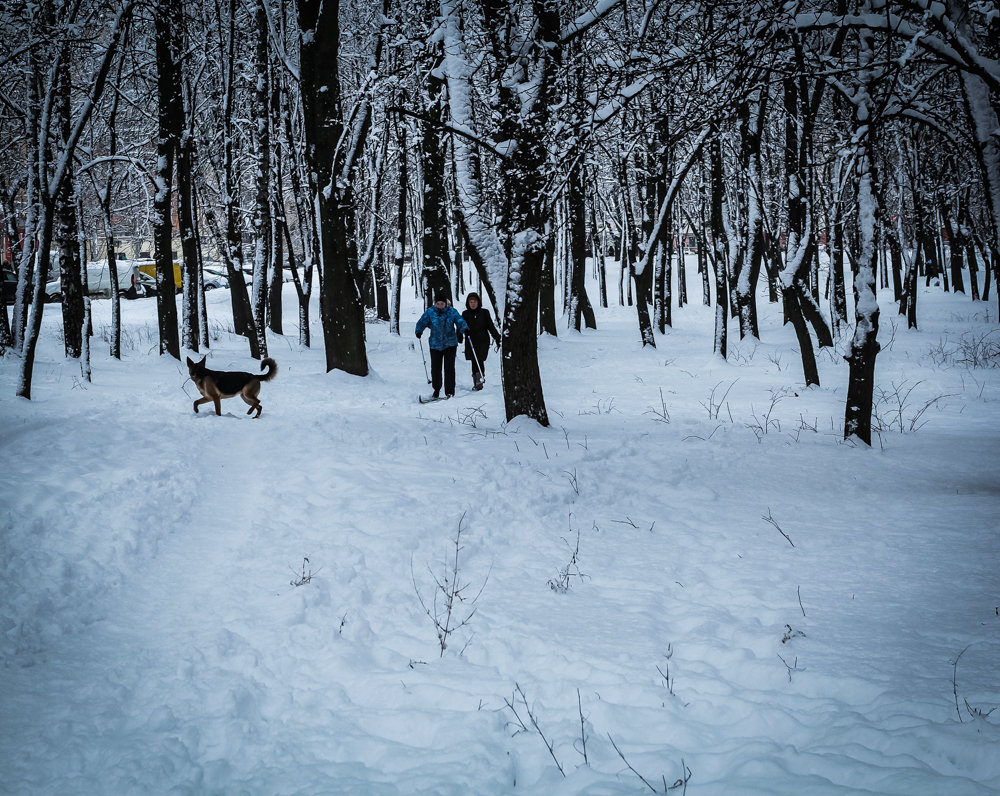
{"x":153,"y":641}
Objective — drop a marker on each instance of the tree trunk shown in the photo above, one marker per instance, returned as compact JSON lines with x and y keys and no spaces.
{"x":192,"y":290}
{"x":838,"y":292}
{"x":305,"y":202}
{"x":48,"y":190}
{"x":746,"y":270}
{"x":956,"y":247}
{"x":170,"y":120}
{"x":398,"y":259}
{"x":33,"y":200}
{"x":864,"y":344}
{"x":800,"y":231}
{"x":436,"y":266}
{"x":519,"y":356}
{"x":194,"y":325}
{"x":261,"y":140}
{"x":663,"y":263}
{"x":66,"y":232}
{"x":116,"y":315}
{"x":275,"y":268}
{"x":578,"y":307}
{"x":68,"y":258}
{"x":341,"y":310}
{"x":597,"y":246}
{"x":682,"y":293}
{"x":720,"y":245}
{"x":547,"y":287}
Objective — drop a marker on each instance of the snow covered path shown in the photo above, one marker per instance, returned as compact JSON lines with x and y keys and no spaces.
{"x":152,"y":640}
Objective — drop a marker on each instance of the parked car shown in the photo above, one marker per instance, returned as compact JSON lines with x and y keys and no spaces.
{"x":216,"y":276}
{"x":147,"y":277}
{"x":9,"y":285}
{"x":99,"y":280}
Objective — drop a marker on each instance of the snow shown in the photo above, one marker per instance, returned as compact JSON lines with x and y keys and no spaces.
{"x":588,"y":19}
{"x":152,"y":640}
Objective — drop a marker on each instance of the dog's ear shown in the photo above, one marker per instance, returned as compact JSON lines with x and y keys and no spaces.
{"x":202,"y":363}
{"x":190,"y":363}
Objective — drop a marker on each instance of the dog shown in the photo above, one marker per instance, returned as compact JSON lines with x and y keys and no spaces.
{"x":217,"y":384}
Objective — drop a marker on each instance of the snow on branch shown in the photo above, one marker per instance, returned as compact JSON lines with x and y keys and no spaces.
{"x":587,"y":20}
{"x":675,"y":185}
{"x":481,"y":234}
{"x":956,"y":50}
{"x":501,"y":151}
{"x":97,"y":88}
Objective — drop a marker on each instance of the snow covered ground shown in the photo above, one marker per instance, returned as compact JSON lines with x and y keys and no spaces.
{"x":622,"y":585}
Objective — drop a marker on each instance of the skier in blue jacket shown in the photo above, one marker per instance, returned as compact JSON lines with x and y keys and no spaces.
{"x":447,"y":328}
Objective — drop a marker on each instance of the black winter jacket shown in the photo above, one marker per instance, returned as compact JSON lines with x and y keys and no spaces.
{"x":481,"y":329}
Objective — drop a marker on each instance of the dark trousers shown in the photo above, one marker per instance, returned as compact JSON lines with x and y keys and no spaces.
{"x":445,"y":358}
{"x":479,"y":358}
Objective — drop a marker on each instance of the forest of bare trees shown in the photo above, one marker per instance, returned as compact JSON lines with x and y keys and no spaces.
{"x":818,"y":149}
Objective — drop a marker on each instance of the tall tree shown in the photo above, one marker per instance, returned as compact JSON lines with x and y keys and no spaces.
{"x":170,"y":125}
{"x":53,"y":167}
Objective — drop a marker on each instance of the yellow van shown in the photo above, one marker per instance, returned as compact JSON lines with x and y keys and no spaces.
{"x":148,"y":269}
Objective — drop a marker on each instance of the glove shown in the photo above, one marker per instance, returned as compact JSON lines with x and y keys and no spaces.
{"x":460,"y":337}
{"x":418,"y":335}
{"x":496,"y":346}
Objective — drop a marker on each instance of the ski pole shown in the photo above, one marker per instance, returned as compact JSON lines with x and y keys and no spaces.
{"x":479,"y":365}
{"x":424,"y":358}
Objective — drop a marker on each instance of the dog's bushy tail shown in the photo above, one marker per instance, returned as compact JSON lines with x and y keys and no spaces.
{"x":272,"y":368}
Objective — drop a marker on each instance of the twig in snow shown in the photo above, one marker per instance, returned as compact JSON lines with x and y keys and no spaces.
{"x":793,"y":668}
{"x":534,"y":723}
{"x":774,"y":522}
{"x":680,"y":782}
{"x":305,"y":577}
{"x":446,"y":616}
{"x":627,"y":763}
{"x":667,"y":679}
{"x":662,"y":414}
{"x":573,"y":482}
{"x":954,"y":682}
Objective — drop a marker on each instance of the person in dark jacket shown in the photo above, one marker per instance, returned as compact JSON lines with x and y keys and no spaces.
{"x":447,"y":328}
{"x":477,"y":341}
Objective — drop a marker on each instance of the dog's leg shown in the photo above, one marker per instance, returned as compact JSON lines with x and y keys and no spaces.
{"x":253,"y":403}
{"x":201,"y":401}
{"x":218,"y":406}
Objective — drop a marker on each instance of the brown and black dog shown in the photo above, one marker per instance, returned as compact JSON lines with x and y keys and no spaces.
{"x":217,"y":384}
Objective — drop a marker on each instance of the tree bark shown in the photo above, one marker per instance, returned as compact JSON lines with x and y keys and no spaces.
{"x":435,"y":269}
{"x":67,"y":232}
{"x":261,"y":140}
{"x":170,"y":123}
{"x":720,"y":244}
{"x":341,"y":310}
{"x":864,"y":344}
{"x":400,"y":252}
{"x":579,"y":311}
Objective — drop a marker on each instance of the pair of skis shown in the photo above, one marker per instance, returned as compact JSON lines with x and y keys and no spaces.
{"x":429,"y":399}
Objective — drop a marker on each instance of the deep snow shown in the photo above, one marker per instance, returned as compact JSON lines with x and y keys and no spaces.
{"x":619,"y":571}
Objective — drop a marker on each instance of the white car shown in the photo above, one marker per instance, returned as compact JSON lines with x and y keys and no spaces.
{"x":99,"y":280}
{"x":215,"y":275}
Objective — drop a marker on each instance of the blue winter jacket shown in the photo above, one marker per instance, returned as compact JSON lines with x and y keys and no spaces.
{"x":445,"y":326}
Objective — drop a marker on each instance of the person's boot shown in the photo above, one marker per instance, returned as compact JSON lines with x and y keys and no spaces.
{"x":478,"y":382}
